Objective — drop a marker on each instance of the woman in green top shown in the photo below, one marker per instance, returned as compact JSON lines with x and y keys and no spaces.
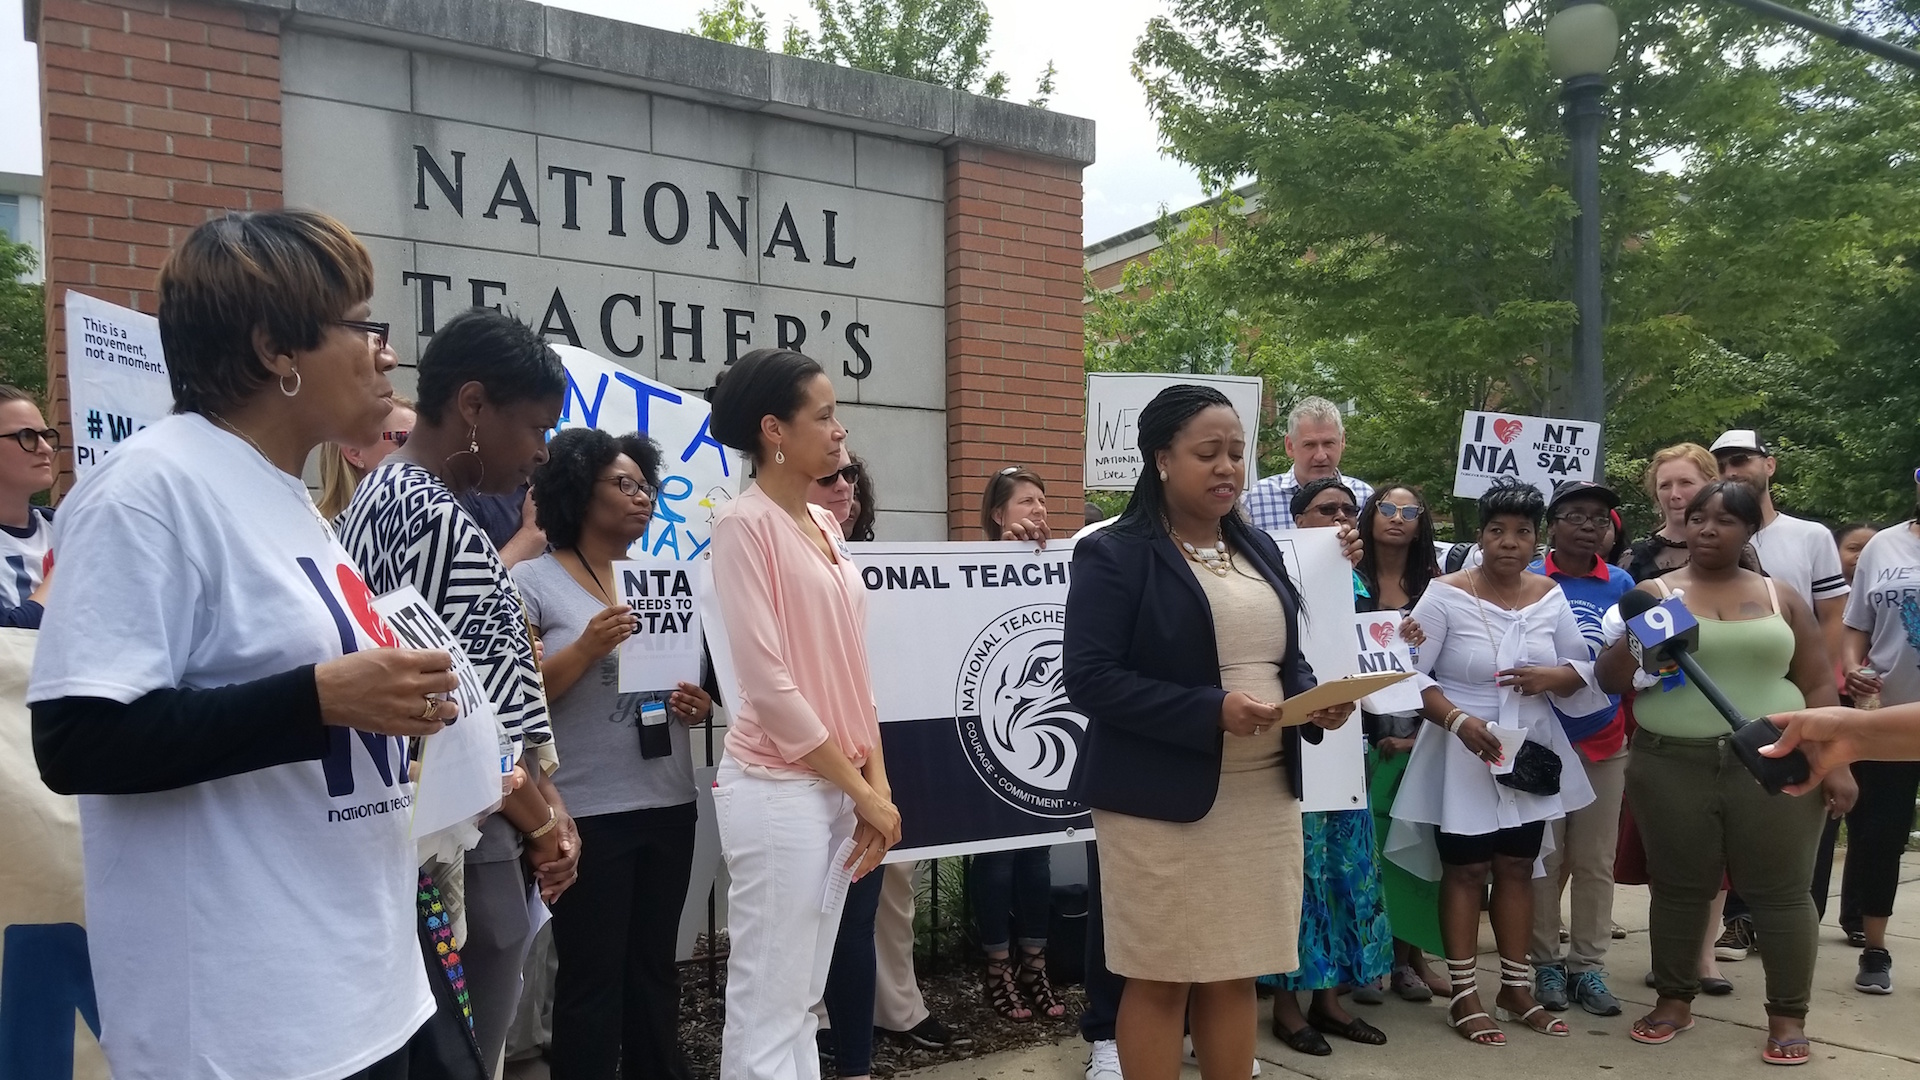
{"x":1700,"y":812}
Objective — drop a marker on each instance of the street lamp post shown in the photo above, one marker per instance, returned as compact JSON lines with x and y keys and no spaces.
{"x":1581,"y":41}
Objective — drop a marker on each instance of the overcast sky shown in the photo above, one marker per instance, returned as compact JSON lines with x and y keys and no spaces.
{"x":1090,"y":41}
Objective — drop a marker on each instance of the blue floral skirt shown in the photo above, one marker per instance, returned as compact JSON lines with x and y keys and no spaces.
{"x":1344,"y":935}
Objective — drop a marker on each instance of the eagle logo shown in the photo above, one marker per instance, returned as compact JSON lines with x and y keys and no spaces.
{"x":1019,"y":730}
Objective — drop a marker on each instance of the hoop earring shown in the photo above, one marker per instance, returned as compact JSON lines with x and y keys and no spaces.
{"x":779,"y":457}
{"x":296,"y":384}
{"x":473,"y":448}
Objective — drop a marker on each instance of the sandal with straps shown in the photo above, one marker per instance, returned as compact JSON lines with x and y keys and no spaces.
{"x":1463,"y":976}
{"x":1038,"y":989}
{"x":1514,"y":973}
{"x":1002,"y":993}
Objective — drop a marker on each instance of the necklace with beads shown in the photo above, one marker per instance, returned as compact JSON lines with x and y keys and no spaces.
{"x":1216,"y":559}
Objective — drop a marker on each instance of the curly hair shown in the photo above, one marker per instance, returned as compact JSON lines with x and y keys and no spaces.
{"x":563,"y":487}
{"x":861,"y":527}
{"x":1509,"y":497}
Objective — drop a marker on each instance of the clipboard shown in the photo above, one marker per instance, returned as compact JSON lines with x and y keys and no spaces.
{"x":1350,"y":688}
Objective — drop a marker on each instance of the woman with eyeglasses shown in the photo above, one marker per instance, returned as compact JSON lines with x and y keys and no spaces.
{"x":1012,"y":891}
{"x":211,"y":682}
{"x":1400,"y":560}
{"x":1344,"y":936}
{"x":26,"y":530}
{"x":627,"y":775}
{"x":343,"y":467}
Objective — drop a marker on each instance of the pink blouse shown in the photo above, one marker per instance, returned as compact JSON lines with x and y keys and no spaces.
{"x":796,"y":624}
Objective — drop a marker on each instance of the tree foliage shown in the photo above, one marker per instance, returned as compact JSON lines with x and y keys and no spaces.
{"x":1410,"y":249}
{"x":23,"y":325}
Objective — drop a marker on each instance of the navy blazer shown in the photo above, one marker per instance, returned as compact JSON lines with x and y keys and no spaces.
{"x":1143,"y":665}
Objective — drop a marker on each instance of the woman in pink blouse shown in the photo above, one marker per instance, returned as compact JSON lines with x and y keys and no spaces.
{"x":803,"y":774}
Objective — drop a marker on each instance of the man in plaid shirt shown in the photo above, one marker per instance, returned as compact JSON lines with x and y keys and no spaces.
{"x":1315,"y":440}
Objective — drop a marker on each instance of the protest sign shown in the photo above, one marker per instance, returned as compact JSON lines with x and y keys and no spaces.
{"x":665,"y":651}
{"x":1537,"y":450}
{"x":1114,"y":401}
{"x":1378,"y":647}
{"x":460,"y":765}
{"x":697,"y":474}
{"x":116,"y":374}
{"x":1333,"y":771}
{"x":964,"y":642}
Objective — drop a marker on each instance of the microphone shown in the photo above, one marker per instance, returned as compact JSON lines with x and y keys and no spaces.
{"x":1664,"y":631}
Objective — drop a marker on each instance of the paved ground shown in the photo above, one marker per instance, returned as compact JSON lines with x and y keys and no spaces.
{"x":1855,"y":1035}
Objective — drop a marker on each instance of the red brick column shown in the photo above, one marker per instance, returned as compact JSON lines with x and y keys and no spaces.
{"x":155,"y":115}
{"x":1016,"y":374}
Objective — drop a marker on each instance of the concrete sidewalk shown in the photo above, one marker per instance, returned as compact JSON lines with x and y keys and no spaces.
{"x":1855,"y":1035}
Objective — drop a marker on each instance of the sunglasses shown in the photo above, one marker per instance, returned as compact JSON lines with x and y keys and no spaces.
{"x":397,"y":438}
{"x":1409,"y":512}
{"x":378,"y":331}
{"x":1737,"y":460}
{"x":31,"y":438}
{"x":850,"y":474}
{"x":630,"y":487}
{"x":1334,"y":510}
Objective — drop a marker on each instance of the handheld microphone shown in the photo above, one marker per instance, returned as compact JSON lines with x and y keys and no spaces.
{"x":1661,"y":631}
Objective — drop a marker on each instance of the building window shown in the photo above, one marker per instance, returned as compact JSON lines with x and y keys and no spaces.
{"x":10,"y":217}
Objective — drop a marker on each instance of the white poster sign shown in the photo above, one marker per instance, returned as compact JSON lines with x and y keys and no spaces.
{"x":665,"y":651}
{"x":1538,"y":450}
{"x":1378,"y":647}
{"x":116,"y":374}
{"x":697,"y":474}
{"x":1333,"y":770}
{"x":1114,"y":401}
{"x":460,"y":765}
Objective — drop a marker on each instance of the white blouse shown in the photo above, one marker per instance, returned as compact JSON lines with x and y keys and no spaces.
{"x":1447,"y":786}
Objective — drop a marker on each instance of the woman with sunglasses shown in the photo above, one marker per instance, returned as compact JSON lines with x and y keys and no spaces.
{"x":343,"y":467}
{"x":1344,"y":937}
{"x":834,"y":492}
{"x":627,"y":775}
{"x":1400,"y":560}
{"x":26,"y":530}
{"x":1012,"y":891}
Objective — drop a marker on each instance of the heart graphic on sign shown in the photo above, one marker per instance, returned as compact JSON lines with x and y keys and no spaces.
{"x":1506,"y":430}
{"x":1382,"y":632}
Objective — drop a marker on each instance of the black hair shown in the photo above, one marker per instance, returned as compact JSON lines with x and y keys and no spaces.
{"x":563,"y":487}
{"x":1423,"y":559}
{"x":1846,"y":529}
{"x":1512,"y":498}
{"x":1736,"y":498}
{"x":765,"y":382}
{"x":861,"y":527}
{"x":1158,"y":423}
{"x":501,"y":353}
{"x":1311,"y":490}
{"x":1620,"y":542}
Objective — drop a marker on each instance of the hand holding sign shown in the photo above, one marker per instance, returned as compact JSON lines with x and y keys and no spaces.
{"x":387,"y":691}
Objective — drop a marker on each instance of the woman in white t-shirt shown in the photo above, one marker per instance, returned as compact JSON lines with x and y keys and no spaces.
{"x":26,"y":530}
{"x":208,"y":683}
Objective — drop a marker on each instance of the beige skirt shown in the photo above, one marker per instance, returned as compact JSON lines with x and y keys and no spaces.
{"x":1211,"y":900}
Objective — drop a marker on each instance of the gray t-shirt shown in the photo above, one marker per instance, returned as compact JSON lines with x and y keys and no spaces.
{"x":596,"y":727}
{"x":1886,"y":605}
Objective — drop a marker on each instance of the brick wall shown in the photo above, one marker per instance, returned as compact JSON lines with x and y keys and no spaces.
{"x":1016,"y":376}
{"x":155,"y":115}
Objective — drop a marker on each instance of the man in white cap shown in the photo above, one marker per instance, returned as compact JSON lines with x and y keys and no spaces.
{"x":1793,"y":551}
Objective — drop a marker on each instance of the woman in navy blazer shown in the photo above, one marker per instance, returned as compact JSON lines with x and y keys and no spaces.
{"x":1182,"y":632}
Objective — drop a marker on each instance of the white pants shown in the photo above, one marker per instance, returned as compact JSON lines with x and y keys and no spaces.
{"x":778,"y":837}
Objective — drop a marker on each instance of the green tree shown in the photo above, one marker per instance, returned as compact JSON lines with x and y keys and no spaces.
{"x":1410,"y":249}
{"x":733,"y":22}
{"x":23,"y":322}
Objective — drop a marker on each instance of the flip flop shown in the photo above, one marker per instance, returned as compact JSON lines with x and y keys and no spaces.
{"x":1673,"y":1031}
{"x":1775,"y":1053}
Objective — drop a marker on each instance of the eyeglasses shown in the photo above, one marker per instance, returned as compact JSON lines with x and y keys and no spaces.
{"x":31,"y":438}
{"x":397,"y":438}
{"x":1410,"y":512}
{"x":630,"y":487}
{"x":1334,"y":510}
{"x":851,"y":474}
{"x":378,"y":330}
{"x":1577,"y":519}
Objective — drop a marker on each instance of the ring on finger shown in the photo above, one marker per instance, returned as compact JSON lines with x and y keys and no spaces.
{"x":432,"y":711}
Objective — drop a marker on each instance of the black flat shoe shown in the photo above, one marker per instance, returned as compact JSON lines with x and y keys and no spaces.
{"x":1305,"y":1041}
{"x":1716,"y":987}
{"x":1354,"y":1030}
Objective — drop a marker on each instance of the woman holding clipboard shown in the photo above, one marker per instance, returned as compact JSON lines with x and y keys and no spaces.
{"x":1182,"y":630}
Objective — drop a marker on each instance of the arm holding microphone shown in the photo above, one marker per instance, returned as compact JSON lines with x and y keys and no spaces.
{"x":1832,"y":738}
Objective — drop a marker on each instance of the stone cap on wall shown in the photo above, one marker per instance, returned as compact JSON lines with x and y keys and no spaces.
{"x":526,"y":34}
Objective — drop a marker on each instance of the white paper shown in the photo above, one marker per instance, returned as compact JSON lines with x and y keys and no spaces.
{"x":1538,"y":450}
{"x":839,"y":878}
{"x":1510,"y":740}
{"x":116,"y":373}
{"x":460,"y":765}
{"x":1114,"y":401}
{"x":1378,"y":646}
{"x":1334,"y":770}
{"x":665,"y":594}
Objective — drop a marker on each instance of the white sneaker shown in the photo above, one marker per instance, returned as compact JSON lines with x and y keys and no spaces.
{"x":1104,"y":1064}
{"x":1187,"y":1055}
